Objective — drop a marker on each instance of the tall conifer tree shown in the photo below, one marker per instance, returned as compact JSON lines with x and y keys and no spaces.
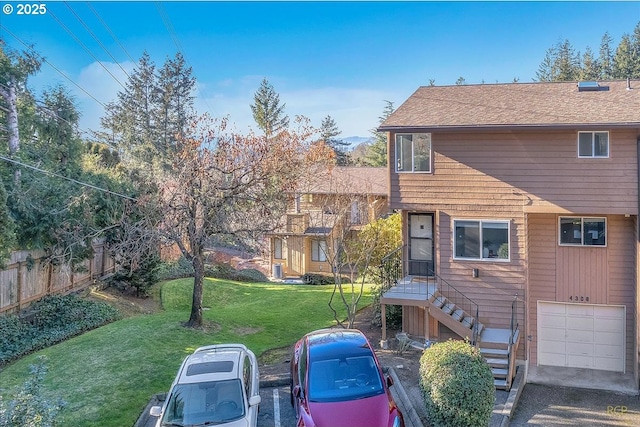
{"x":267,"y":110}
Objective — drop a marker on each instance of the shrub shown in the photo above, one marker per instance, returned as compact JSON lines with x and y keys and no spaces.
{"x":220,"y":270}
{"x":457,"y":385}
{"x":48,"y":321}
{"x":394,"y":312}
{"x":29,"y":407}
{"x":251,"y":275}
{"x":322,"y":279}
{"x":175,"y":269}
{"x":141,"y":278}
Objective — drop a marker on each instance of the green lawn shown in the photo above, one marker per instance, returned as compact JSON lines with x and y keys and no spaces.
{"x":107,"y":375}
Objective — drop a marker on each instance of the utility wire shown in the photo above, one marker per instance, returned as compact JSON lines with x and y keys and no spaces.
{"x":51,"y":65}
{"x":172,"y":33}
{"x":84,"y":184}
{"x":104,"y":24}
{"x":84,"y":47}
{"x":86,"y":27}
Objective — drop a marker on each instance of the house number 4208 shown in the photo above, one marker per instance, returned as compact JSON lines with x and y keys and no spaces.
{"x":576,"y":298}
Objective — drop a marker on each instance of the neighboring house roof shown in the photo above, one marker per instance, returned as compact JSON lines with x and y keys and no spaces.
{"x":347,"y":180}
{"x":558,"y":104}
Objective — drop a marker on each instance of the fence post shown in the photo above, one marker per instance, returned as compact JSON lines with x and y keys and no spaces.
{"x":19,"y":287}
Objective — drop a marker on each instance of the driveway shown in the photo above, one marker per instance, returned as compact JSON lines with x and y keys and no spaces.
{"x":543,"y":405}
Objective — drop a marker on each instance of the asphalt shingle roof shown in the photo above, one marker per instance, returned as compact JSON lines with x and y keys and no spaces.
{"x":518,"y":104}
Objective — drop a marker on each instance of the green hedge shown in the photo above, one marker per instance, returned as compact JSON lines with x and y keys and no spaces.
{"x":457,"y":385}
{"x":48,"y":321}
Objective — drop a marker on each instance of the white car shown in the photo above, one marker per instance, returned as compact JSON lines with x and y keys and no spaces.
{"x":216,"y":385}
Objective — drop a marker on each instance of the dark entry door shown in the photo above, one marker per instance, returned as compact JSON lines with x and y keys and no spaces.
{"x":421,"y":244}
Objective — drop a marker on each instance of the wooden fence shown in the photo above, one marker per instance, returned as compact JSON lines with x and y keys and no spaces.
{"x":28,"y":278}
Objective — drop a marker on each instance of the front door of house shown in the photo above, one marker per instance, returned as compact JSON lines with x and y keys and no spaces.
{"x":421,"y":244}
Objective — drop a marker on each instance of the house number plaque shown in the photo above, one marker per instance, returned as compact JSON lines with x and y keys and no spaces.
{"x":576,"y":298}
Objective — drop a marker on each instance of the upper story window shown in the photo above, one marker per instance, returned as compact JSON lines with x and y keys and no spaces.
{"x":277,"y":248}
{"x":481,"y":239}
{"x":580,"y":231}
{"x":413,"y":152}
{"x":593,"y":144}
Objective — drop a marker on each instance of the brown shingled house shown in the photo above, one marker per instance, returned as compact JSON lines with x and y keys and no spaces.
{"x":520,"y":224}
{"x":328,"y":204}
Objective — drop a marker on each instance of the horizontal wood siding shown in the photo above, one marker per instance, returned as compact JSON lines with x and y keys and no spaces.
{"x":498,"y":282}
{"x":536,"y":170}
{"x":541,"y":280}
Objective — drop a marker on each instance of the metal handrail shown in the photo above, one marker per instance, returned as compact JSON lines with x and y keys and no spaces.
{"x":393,"y":268}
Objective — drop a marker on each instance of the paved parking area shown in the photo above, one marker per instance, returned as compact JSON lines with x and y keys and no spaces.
{"x":275,"y":408}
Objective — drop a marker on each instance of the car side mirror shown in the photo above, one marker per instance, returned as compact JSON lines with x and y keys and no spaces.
{"x":389,"y":381}
{"x":155,"y":411}
{"x":255,"y":400}
{"x":297,"y":392}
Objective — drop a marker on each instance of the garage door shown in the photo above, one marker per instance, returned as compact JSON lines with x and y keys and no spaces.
{"x":581,"y":336}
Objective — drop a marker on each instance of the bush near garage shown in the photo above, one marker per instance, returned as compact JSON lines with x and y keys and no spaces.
{"x":48,"y":321}
{"x":457,"y":385}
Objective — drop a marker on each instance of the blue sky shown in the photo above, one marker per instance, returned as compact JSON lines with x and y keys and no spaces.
{"x":342,"y":59}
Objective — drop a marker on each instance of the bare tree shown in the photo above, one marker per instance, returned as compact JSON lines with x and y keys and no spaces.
{"x":346,"y":199}
{"x":226,"y":185}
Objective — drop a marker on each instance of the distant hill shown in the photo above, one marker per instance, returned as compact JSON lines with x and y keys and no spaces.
{"x":355,"y":140}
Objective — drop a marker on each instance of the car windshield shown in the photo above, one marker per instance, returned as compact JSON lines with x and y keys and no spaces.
{"x":346,"y":378}
{"x":206,"y":403}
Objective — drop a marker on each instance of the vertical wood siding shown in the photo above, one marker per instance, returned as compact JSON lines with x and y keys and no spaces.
{"x":560,"y":273}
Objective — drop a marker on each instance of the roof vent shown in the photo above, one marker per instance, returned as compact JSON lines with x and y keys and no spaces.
{"x":590,"y":86}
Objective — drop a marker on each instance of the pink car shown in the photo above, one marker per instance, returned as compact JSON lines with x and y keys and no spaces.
{"x":336,"y":380}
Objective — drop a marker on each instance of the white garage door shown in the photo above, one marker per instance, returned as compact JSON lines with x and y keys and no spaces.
{"x":581,"y":336}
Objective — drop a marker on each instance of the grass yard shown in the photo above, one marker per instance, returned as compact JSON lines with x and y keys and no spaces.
{"x":107,"y":376}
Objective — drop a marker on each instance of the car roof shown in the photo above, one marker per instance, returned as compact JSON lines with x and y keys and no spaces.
{"x":337,"y":343}
{"x":213,"y":363}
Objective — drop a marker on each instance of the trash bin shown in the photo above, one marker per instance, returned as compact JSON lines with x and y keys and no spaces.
{"x":277,"y":271}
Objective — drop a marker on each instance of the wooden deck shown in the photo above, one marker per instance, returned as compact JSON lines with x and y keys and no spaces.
{"x":410,"y":292}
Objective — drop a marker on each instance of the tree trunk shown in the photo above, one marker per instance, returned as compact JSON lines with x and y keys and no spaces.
{"x":195,"y":321}
{"x":10,"y":96}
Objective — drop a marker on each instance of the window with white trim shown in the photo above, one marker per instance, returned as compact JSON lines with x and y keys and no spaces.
{"x":583,"y":231}
{"x":277,"y":248}
{"x":319,"y":250}
{"x":593,"y":144}
{"x":413,"y":152}
{"x":481,"y":240}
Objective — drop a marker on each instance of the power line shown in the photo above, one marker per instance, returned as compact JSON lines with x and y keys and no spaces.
{"x":84,"y":47}
{"x":172,"y":33}
{"x":84,"y":184}
{"x":104,"y":24}
{"x":51,"y":65}
{"x":86,"y":27}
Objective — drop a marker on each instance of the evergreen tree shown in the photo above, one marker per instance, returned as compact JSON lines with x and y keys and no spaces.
{"x":377,"y":153}
{"x":174,"y":98}
{"x":130,"y":118}
{"x":7,"y":228}
{"x":328,"y":133}
{"x":590,"y":68}
{"x":635,"y":40}
{"x":606,"y":57}
{"x":267,"y":110}
{"x":624,"y":61}
{"x":567,"y":63}
{"x":545,"y":69}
